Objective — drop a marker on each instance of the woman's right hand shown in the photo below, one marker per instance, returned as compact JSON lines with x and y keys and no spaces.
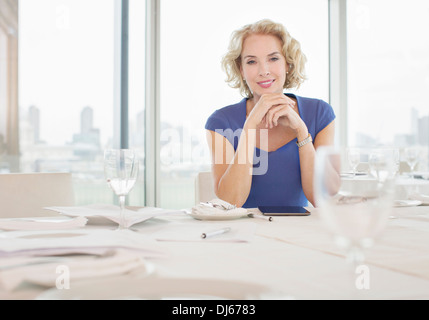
{"x":265,"y":103}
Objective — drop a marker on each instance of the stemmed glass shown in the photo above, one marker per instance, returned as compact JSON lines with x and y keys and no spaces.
{"x":384,"y":162}
{"x":397,"y":160}
{"x":353,"y":157}
{"x":412,"y":158}
{"x":355,"y":213}
{"x":120,"y":170}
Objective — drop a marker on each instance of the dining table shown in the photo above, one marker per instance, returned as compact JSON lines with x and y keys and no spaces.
{"x":165,"y":257}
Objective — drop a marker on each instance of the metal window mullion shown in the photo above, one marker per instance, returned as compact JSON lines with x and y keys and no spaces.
{"x":338,"y":77}
{"x":152,"y":104}
{"x":124,"y":75}
{"x":121,"y":127}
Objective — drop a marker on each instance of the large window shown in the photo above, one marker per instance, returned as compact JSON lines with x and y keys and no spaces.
{"x":194,"y":36}
{"x":388,"y":68}
{"x":70,"y":67}
{"x":71,"y":89}
{"x":73,"y":83}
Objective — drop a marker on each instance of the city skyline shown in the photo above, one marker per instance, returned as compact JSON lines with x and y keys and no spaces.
{"x":419,"y":133}
{"x":181,"y":153}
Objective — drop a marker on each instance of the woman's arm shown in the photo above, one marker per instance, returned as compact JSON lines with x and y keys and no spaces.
{"x":307,"y":155}
{"x":232,"y":171}
{"x":287,"y":115}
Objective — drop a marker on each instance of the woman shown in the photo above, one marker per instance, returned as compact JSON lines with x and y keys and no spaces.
{"x":263,"y":147}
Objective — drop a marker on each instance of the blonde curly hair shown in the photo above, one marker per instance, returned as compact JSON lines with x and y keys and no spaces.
{"x":291,"y":49}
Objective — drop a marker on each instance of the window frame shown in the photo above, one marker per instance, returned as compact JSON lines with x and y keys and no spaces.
{"x":337,"y":86}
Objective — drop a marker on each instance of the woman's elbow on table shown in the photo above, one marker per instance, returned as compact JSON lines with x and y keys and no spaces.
{"x":237,"y":200}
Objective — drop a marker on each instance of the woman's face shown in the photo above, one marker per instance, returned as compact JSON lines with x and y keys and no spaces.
{"x":263,"y":65}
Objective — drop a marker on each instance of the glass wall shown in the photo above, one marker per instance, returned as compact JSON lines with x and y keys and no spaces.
{"x":194,"y":37}
{"x":68,"y":82}
{"x":388,"y":68}
{"x":66,"y":85}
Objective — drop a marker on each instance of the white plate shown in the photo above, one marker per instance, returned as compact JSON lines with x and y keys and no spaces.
{"x":217,"y":217}
{"x":153,"y":288}
{"x":407,"y":203}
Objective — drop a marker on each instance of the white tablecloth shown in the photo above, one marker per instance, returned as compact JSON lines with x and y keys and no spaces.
{"x":294,"y":257}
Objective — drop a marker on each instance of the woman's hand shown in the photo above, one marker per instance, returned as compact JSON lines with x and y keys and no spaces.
{"x":259,"y":113}
{"x":278,"y":109}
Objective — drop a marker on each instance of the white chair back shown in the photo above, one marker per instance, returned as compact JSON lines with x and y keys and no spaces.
{"x":26,"y":194}
{"x":204,"y":187}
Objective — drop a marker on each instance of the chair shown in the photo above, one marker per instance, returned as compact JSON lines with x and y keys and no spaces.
{"x":25,"y":194}
{"x":204,"y":187}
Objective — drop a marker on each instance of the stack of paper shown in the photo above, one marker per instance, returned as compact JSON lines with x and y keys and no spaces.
{"x":85,"y":253}
{"x":63,"y":271}
{"x":75,"y":241}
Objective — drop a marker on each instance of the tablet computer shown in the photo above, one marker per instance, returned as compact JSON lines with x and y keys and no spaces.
{"x":283,"y":211}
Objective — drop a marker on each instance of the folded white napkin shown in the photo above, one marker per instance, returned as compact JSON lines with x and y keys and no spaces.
{"x":66,"y":271}
{"x":112,"y":213}
{"x":421,"y":197}
{"x":218,"y":207}
{"x":37,"y":223}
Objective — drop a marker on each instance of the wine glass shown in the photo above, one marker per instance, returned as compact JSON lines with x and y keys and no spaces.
{"x":121,"y":169}
{"x":384,"y":162}
{"x":353,"y":157}
{"x":397,"y":161}
{"x":355,"y":213}
{"x":412,"y":158}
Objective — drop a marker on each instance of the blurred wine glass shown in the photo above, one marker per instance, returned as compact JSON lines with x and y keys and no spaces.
{"x":121,"y":170}
{"x":355,"y":213}
{"x":353,"y":157}
{"x":412,"y":158}
{"x":397,"y":160}
{"x":383,"y":163}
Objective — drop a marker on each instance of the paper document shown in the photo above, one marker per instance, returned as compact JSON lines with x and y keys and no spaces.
{"x":47,"y":272}
{"x":112,"y":213}
{"x":38,"y":223}
{"x":75,"y":241}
